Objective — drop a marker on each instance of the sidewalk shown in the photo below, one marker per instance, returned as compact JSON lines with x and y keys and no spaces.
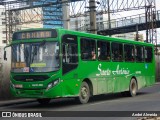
{"x":15,"y":101}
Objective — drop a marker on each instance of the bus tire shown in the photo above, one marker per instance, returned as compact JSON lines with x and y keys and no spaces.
{"x":44,"y":101}
{"x":84,"y":94}
{"x":133,"y":87}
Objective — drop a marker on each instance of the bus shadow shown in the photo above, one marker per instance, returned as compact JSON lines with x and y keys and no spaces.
{"x":69,"y":102}
{"x":54,"y":103}
{"x":142,"y":93}
{"x":113,"y":96}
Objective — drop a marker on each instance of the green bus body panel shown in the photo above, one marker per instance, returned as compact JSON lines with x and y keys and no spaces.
{"x":105,"y":76}
{"x":118,"y":82}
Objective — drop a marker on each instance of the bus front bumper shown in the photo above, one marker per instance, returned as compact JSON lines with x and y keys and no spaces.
{"x":54,"y":92}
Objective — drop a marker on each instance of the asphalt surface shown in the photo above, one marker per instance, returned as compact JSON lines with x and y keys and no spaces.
{"x":147,"y":100}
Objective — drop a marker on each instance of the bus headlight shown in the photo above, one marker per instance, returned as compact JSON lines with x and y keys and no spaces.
{"x":12,"y":85}
{"x":52,"y":84}
{"x":16,"y":85}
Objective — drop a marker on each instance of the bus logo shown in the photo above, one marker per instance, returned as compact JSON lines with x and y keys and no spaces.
{"x":29,"y":79}
{"x":118,"y":71}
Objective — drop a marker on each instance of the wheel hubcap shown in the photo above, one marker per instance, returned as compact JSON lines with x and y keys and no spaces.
{"x":84,"y":92}
{"x":133,"y":88}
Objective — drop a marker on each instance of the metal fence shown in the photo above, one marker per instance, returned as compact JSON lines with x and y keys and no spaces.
{"x":120,"y":22}
{"x":127,"y":21}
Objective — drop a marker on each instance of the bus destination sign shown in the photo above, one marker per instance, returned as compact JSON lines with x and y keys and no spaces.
{"x":33,"y":35}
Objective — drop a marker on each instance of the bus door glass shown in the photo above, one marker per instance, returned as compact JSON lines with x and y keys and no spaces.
{"x":69,"y":53}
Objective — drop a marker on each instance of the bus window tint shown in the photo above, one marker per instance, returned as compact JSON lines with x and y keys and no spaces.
{"x":117,"y":52}
{"x":103,"y":51}
{"x":129,"y":53}
{"x":139,"y":54}
{"x":88,"y":49}
{"x":148,"y":54}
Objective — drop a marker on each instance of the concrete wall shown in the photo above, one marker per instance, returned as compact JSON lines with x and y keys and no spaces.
{"x":5,"y":75}
{"x":157,"y":57}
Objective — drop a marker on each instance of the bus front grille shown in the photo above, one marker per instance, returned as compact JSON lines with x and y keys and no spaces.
{"x":30,"y":78}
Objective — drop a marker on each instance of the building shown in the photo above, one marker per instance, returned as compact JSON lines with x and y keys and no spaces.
{"x":52,"y":15}
{"x":78,"y":23}
{"x":82,"y":23}
{"x":3,"y":40}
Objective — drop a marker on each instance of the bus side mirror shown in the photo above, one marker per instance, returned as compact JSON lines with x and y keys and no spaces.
{"x":5,"y":58}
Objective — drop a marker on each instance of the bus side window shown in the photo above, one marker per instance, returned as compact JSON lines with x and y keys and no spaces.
{"x":139,"y":54}
{"x":129,"y":53}
{"x":148,"y":54}
{"x":88,"y":49}
{"x":103,"y":50}
{"x":117,"y":52}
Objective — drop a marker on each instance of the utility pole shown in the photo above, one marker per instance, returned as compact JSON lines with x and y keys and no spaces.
{"x":93,"y":25}
{"x":147,"y":18}
{"x":150,"y":15}
{"x":109,"y":18}
{"x":65,"y":12}
{"x":76,"y":23}
{"x":137,"y":35}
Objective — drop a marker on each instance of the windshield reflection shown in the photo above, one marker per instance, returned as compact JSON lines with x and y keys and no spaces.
{"x":35,"y":57}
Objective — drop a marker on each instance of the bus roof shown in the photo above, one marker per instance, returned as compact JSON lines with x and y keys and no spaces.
{"x":90,"y":35}
{"x":95,"y":36}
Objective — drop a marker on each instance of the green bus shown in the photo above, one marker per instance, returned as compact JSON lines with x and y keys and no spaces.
{"x":56,"y":63}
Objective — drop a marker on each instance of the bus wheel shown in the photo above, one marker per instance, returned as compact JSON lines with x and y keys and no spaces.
{"x":44,"y":101}
{"x":133,"y":88}
{"x":84,"y":94}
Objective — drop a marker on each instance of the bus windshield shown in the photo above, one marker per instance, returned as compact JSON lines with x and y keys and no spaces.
{"x":35,"y":57}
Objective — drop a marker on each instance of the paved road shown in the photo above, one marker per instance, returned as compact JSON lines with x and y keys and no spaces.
{"x":147,"y":99}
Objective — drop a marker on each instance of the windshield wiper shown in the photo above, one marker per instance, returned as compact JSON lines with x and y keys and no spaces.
{"x":27,"y":56}
{"x":34,"y":53}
